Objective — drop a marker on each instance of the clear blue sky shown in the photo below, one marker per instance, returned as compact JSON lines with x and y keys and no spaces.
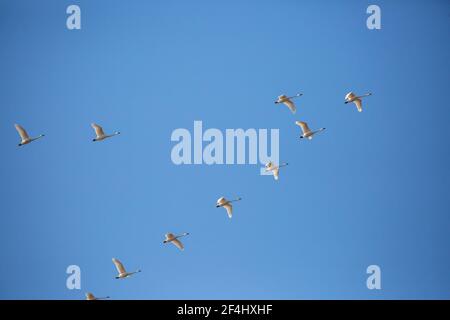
{"x":372,"y":189}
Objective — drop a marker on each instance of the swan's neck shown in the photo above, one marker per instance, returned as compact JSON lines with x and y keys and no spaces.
{"x":38,"y":137}
{"x":182,"y":235}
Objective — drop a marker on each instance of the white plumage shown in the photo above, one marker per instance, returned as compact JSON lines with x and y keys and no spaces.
{"x":222,"y":202}
{"x":288,"y":101}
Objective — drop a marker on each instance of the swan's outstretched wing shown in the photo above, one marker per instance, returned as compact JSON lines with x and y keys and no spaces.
{"x":276,"y":173}
{"x":169,"y":236}
{"x":358,"y":104}
{"x":98,"y":130}
{"x":229,"y":209}
{"x":23,"y":134}
{"x":119,"y":266}
{"x":304,"y":126}
{"x":349,"y":96}
{"x":290,"y":105}
{"x":178,"y":244}
{"x":221,"y":201}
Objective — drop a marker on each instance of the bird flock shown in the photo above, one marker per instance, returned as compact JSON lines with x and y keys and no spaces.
{"x":222,"y":202}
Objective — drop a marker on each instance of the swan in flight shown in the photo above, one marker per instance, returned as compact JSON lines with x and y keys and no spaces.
{"x":275,"y":169}
{"x":351,"y":97}
{"x":90,"y":296}
{"x":170,"y":237}
{"x":24,"y":135}
{"x":288,"y":101}
{"x":122,"y":272}
{"x":307,"y":133}
{"x":222,"y":202}
{"x":100,"y":135}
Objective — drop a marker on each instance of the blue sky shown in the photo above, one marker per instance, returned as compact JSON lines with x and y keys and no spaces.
{"x":372,"y":189}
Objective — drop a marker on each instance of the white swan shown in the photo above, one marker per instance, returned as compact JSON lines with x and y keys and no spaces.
{"x":351,"y":97}
{"x":288,"y":101}
{"x":275,"y":169}
{"x":90,"y":296}
{"x":100,"y":135}
{"x":307,"y":133}
{"x":24,"y":135}
{"x":222,"y":202}
{"x":122,"y":272}
{"x":170,"y":237}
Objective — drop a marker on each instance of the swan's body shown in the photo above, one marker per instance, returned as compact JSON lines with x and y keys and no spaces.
{"x":100,"y":135}
{"x":288,"y":101}
{"x":307,"y":133}
{"x":90,"y":296}
{"x":222,"y":202}
{"x":170,"y":237}
{"x":275,"y":169}
{"x":25,"y":138}
{"x":121,"y":270}
{"x":351,"y":97}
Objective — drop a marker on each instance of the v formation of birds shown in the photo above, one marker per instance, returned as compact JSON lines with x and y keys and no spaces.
{"x":274,"y":168}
